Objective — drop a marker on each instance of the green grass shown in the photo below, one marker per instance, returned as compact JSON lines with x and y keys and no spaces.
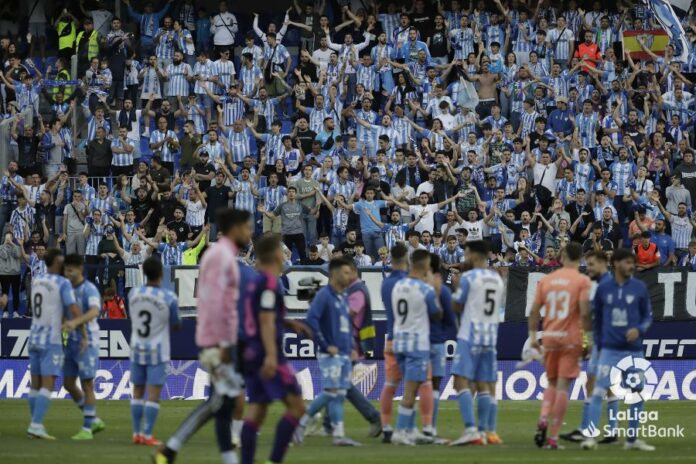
{"x":516,"y":426}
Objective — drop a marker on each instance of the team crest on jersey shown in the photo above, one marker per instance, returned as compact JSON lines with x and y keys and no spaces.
{"x":56,"y":359}
{"x":630,"y":298}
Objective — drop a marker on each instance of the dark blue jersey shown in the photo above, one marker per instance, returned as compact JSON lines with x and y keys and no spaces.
{"x":329,"y":319}
{"x":263,"y":293}
{"x":387,"y":287}
{"x":246,"y":284}
{"x":618,"y":308}
{"x":443,"y":330}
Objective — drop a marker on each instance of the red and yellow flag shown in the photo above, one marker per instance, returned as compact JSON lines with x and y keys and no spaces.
{"x":655,"y":40}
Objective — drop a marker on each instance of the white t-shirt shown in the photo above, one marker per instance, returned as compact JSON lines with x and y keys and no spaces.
{"x":475,"y":230}
{"x":425,"y":187}
{"x":428,"y":221}
{"x":548,"y":179}
{"x":452,"y":230}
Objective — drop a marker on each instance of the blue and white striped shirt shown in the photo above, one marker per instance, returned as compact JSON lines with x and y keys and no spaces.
{"x":22,"y":221}
{"x":274,"y":147}
{"x":587,"y":126}
{"x":178,"y":83}
{"x":463,"y":42}
{"x":206,"y":71}
{"x":122,"y":159}
{"x":172,"y":255}
{"x":682,"y":231}
{"x":165,"y":151}
{"x":7,"y":191}
{"x":165,"y":45}
{"x":239,"y":144}
{"x":51,"y":297}
{"x":273,"y":196}
{"x":623,"y":174}
{"x":244,"y":196}
{"x":249,"y":76}
{"x":362,"y":133}
{"x":153,"y":310}
{"x":96,"y":232}
{"x":232,"y":109}
{"x":224,"y":70}
{"x":562,"y":43}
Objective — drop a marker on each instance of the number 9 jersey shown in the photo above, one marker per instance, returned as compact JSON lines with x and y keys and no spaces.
{"x":413,"y":301}
{"x":480,"y":294}
{"x":152,"y":311}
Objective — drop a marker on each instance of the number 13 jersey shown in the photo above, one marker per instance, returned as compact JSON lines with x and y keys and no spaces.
{"x":561,"y":293}
{"x":152,"y":311}
{"x":412,"y":302}
{"x":480,"y":294}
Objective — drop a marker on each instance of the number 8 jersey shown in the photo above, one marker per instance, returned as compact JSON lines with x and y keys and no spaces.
{"x":412,"y":302}
{"x":480,"y":293}
{"x":51,"y":296}
{"x":152,"y":311}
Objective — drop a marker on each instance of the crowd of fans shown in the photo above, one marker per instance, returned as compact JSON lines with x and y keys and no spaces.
{"x":345,"y":128}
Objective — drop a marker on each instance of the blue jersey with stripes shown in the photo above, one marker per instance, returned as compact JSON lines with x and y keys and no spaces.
{"x":87,"y":297}
{"x":481,"y":295}
{"x":153,"y":310}
{"x":51,"y":296}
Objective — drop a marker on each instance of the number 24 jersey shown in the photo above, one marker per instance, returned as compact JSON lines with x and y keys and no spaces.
{"x":152,"y":310}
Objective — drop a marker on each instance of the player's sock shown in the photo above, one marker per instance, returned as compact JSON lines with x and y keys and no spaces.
{"x":493,"y":415}
{"x":32,"y":400}
{"x":612,"y":412}
{"x":250,"y":432}
{"x":585,"y":414}
{"x":633,"y":422}
{"x":466,"y":407}
{"x":150,"y":411}
{"x":137,"y":415}
{"x":595,"y":410}
{"x":89,"y":412}
{"x":483,"y":404}
{"x":412,"y":421}
{"x":386,"y":402}
{"x":558,"y":411}
{"x":547,"y":402}
{"x":336,"y":413}
{"x":229,"y":457}
{"x":284,"y":430}
{"x":80,"y":403}
{"x":237,"y":428}
{"x":403,"y":418}
{"x":436,"y":407}
{"x":41,"y":404}
{"x":425,"y":393}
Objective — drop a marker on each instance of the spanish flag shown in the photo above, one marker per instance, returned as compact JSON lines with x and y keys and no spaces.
{"x":655,"y":40}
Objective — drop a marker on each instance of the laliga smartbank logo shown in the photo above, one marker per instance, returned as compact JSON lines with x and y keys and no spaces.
{"x":633,"y":380}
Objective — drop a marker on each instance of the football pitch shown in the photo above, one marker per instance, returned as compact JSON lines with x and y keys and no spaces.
{"x":516,"y":425}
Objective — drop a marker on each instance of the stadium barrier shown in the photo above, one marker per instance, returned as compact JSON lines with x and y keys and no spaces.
{"x":670,"y":346}
{"x":670,"y":343}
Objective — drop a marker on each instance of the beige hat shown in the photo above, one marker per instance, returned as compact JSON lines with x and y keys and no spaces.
{"x":562,"y":100}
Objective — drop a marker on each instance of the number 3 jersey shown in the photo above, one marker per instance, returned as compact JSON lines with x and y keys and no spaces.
{"x":480,"y":294}
{"x":413,"y":301}
{"x":51,"y":296}
{"x":561,"y":293}
{"x":152,"y":310}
